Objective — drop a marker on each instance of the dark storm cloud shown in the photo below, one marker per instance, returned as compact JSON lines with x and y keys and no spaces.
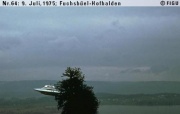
{"x":104,"y":42}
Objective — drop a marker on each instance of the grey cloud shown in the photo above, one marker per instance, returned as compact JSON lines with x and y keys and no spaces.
{"x":8,"y":43}
{"x":118,"y":25}
{"x":100,"y":40}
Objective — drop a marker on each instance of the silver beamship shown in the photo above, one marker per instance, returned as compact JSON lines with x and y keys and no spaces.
{"x":48,"y":90}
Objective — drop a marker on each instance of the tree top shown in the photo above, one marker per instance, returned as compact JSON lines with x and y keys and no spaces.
{"x":73,"y":73}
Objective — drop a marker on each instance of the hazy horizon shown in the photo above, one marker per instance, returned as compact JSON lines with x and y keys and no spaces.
{"x":108,"y":44}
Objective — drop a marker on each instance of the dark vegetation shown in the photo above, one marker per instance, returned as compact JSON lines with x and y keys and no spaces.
{"x":75,"y":96}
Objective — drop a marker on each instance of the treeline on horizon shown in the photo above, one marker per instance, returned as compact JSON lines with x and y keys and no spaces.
{"x":25,"y":89}
{"x":104,"y":98}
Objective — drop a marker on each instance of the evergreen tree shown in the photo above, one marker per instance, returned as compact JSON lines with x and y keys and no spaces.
{"x":75,"y":96}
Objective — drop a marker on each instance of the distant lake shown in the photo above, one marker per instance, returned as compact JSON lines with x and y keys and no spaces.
{"x":119,"y":109}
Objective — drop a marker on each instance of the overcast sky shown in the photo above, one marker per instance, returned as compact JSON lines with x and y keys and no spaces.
{"x":39,"y":43}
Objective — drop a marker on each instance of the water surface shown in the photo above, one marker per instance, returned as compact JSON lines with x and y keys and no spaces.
{"x":119,"y":109}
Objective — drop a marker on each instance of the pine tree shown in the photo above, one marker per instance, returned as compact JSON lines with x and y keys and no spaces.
{"x":75,"y":96}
